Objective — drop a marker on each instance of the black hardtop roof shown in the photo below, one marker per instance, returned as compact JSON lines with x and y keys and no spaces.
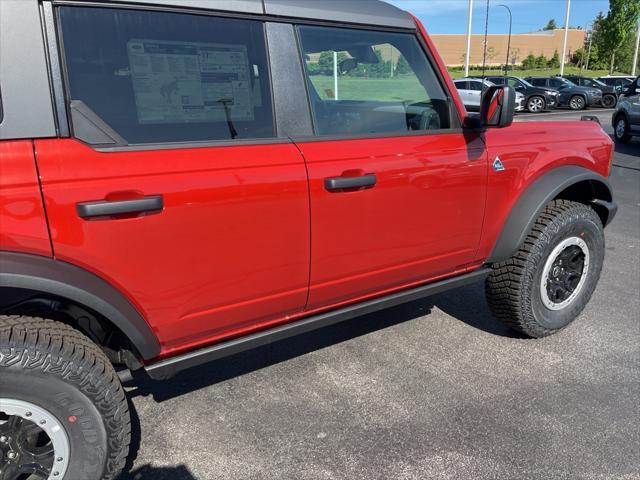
{"x":364,"y":12}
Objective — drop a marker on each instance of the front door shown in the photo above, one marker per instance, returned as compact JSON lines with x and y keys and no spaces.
{"x":175,"y":189}
{"x":397,"y":188}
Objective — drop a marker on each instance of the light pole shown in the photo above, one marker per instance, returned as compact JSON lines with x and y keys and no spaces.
{"x":566,"y":32}
{"x":635,"y":55}
{"x":506,"y":65}
{"x":468,"y":55}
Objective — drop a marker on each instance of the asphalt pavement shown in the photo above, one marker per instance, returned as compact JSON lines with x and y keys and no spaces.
{"x":435,"y":389}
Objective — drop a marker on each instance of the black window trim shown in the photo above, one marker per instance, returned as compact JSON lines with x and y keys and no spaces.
{"x":454,"y":114}
{"x":455,"y":118}
{"x":63,"y":83}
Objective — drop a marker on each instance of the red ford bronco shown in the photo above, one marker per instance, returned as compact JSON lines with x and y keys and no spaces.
{"x":183,"y":180}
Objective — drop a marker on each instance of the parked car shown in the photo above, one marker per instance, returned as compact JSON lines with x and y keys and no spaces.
{"x":609,"y":93}
{"x":181,"y":181}
{"x":537,"y":99}
{"x":626,"y":118}
{"x":471,"y":90}
{"x":618,"y":82}
{"x":571,"y":95}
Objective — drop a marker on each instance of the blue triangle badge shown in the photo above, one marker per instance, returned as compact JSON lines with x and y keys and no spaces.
{"x":497,"y":165}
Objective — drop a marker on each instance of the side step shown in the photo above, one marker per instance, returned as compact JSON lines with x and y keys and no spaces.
{"x":167,"y":368}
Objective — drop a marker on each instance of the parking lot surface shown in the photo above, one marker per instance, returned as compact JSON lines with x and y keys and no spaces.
{"x":433,"y":389}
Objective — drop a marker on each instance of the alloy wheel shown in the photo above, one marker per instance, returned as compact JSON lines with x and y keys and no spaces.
{"x":33,"y":443}
{"x":564,"y":273}
{"x":536,"y":104}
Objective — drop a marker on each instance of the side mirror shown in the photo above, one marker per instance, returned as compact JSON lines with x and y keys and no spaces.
{"x":498,"y":106}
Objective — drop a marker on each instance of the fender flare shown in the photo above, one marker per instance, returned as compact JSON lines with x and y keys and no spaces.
{"x":534,"y":199}
{"x":65,"y":280}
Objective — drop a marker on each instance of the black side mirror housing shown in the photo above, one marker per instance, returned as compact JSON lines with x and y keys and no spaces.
{"x":497,"y":107}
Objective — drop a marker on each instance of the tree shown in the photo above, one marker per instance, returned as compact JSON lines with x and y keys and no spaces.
{"x":541,"y":61}
{"x":555,"y":60}
{"x":619,"y":27}
{"x":551,"y":25}
{"x":529,"y":62}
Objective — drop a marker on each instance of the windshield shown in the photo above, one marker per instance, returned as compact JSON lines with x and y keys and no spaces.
{"x":523,"y":81}
{"x":568,"y":83}
{"x":598,"y":82}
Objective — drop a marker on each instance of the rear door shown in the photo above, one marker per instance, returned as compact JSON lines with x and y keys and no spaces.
{"x":397,"y":187}
{"x":175,"y":187}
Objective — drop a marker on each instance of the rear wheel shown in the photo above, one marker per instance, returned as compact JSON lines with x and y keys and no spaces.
{"x":609,"y":101}
{"x":550,"y":279}
{"x":536,"y":104}
{"x":63,"y":412}
{"x":621,"y":130}
{"x":577,"y":103}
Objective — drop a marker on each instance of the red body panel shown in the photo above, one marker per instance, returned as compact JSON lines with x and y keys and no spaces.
{"x":23,"y":224}
{"x":230,"y":249}
{"x":249,"y":237}
{"x":422,"y":218}
{"x":528,"y":150}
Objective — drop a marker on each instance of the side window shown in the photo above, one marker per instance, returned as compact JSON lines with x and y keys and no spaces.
{"x":555,"y":83}
{"x":539,"y":82}
{"x":155,"y":77}
{"x":476,"y":86}
{"x":362,"y":82}
{"x":462,"y":85}
{"x":512,"y":82}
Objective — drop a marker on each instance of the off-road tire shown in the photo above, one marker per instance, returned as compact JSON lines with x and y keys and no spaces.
{"x":513,"y":288}
{"x":57,"y":368}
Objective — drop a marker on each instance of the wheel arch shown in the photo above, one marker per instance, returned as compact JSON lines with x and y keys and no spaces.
{"x":63,"y":280}
{"x":567,"y":182}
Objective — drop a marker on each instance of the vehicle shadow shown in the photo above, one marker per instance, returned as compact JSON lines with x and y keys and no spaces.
{"x":466,"y":304}
{"x":147,"y":472}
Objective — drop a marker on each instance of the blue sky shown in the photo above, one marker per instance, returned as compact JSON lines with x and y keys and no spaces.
{"x":450,"y":16}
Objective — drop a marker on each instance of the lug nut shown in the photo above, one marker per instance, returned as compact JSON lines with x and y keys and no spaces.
{"x":3,"y":439}
{"x":12,"y":455}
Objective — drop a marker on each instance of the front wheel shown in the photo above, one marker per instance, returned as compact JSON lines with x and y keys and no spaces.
{"x":63,"y":412}
{"x":577,"y":103}
{"x":550,"y":279}
{"x":621,"y":130}
{"x":536,"y":104}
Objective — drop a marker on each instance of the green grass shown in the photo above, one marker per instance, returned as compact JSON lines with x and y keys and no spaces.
{"x":399,"y":89}
{"x":457,"y":72}
{"x":406,"y":88}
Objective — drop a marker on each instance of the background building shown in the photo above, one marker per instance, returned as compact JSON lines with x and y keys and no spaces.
{"x":452,"y":48}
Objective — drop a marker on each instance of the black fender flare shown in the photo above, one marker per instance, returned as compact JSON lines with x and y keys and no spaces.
{"x":534,"y":199}
{"x":65,"y":280}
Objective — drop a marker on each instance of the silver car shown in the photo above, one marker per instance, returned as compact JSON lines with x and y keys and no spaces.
{"x":626,"y":118}
{"x":471,"y":90}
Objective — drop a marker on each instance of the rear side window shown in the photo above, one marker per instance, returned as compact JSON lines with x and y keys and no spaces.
{"x":155,"y":77}
{"x":363,"y":82}
{"x":462,"y":85}
{"x":477,"y":86}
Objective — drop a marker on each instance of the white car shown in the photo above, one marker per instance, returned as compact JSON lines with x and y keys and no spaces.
{"x":471,"y":90}
{"x":520,"y":106}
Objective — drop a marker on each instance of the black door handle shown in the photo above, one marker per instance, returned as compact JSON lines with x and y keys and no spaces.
{"x":105,"y":208}
{"x":346,"y":183}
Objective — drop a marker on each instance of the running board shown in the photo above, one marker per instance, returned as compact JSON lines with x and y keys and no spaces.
{"x":167,"y":368}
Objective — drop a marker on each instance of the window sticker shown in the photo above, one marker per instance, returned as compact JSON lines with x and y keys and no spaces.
{"x":176,"y":82}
